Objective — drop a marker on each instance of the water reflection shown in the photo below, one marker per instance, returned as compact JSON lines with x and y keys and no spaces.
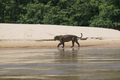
{"x":66,"y":55}
{"x":61,"y":64}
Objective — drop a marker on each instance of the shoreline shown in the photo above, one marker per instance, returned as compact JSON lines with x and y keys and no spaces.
{"x":53,"y":44}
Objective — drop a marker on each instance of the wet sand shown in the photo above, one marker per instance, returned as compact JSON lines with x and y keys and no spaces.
{"x":53,"y":44}
{"x":86,"y":63}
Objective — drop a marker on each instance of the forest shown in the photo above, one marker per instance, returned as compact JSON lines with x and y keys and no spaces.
{"x":91,"y":13}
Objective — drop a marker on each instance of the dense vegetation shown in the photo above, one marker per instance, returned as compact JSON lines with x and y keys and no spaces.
{"x":98,"y":13}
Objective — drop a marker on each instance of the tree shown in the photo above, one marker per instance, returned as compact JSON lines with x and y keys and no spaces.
{"x":108,"y":15}
{"x":35,"y":14}
{"x":9,"y":11}
{"x":1,"y":12}
{"x":98,"y":13}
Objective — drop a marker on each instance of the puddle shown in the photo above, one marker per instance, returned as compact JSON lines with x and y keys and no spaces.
{"x":62,"y":64}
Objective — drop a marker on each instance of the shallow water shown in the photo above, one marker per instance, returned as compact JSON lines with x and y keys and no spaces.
{"x":62,"y":64}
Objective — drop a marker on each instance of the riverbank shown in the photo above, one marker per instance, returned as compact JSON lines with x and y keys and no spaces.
{"x":36,"y":36}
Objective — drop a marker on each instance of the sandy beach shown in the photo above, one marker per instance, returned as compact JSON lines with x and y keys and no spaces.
{"x":36,"y":35}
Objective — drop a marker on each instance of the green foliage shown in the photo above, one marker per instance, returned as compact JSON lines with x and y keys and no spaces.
{"x":98,"y":13}
{"x":34,"y":14}
{"x":108,"y":16}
